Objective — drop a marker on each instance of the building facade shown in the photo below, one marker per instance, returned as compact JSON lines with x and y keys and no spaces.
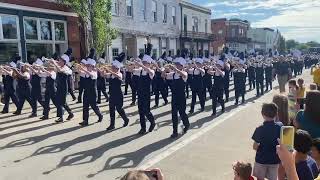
{"x":35,"y":28}
{"x":195,"y":28}
{"x":230,"y":33}
{"x":263,"y":39}
{"x":143,"y":21}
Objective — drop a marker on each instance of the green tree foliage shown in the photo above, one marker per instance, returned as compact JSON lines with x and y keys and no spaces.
{"x":282,"y":46}
{"x":292,"y":44}
{"x":96,"y":13}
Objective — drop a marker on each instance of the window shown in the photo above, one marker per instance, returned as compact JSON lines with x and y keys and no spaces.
{"x":115,"y":7}
{"x":154,"y":10}
{"x":174,"y":18}
{"x":143,"y":9}
{"x":206,"y":26}
{"x":30,"y":28}
{"x":115,"y":52}
{"x":59,"y":31}
{"x":7,"y":49}
{"x":233,"y":32}
{"x":195,"y":24}
{"x":185,"y":22}
{"x":9,"y":27}
{"x":45,"y":29}
{"x":165,"y":15}
{"x":129,"y":7}
{"x":38,"y":49}
{"x":141,"y":51}
{"x":155,"y":53}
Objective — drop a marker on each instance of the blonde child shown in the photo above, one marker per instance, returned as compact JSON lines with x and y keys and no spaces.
{"x":301,"y":93}
{"x":292,"y":99}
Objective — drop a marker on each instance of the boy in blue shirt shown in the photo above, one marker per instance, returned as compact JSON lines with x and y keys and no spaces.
{"x":265,"y":139}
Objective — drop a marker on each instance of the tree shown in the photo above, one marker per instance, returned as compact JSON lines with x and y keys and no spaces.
{"x":291,"y":44}
{"x":282,"y":45}
{"x":95,"y":14}
{"x":302,"y":47}
{"x":313,"y":44}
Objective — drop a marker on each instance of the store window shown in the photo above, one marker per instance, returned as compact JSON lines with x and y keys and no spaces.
{"x":154,"y":11}
{"x":155,"y":53}
{"x":30,"y":28}
{"x":60,"y":31}
{"x":9,"y":27}
{"x":35,"y":50}
{"x":7,"y":50}
{"x":115,"y":52}
{"x":174,"y":16}
{"x":45,"y":29}
{"x":115,"y":7}
{"x":129,"y":7}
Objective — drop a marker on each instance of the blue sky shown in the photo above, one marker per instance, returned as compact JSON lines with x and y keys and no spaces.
{"x":296,"y":19}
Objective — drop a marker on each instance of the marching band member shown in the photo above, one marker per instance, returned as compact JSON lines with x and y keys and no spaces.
{"x":268,"y":73}
{"x":178,"y":103}
{"x":136,"y":70}
{"x":36,"y":86}
{"x":116,"y":97}
{"x":189,"y":62}
{"x":66,"y":56}
{"x":81,"y":81}
{"x":50,"y":92}
{"x":251,"y":74}
{"x":197,"y":84}
{"x":63,"y":72}
{"x":145,"y":78}
{"x":101,"y":82}
{"x":159,"y":82}
{"x":207,"y":78}
{"x":226,"y":69}
{"x":128,"y":80}
{"x":90,"y":91}
{"x":259,"y":75}
{"x":23,"y":88}
{"x":217,"y":89}
{"x":239,"y":81}
{"x":8,"y":81}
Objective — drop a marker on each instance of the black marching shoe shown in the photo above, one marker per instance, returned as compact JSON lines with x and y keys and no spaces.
{"x":100,"y":119}
{"x":60,"y":120}
{"x":151,"y":128}
{"x":17,"y":113}
{"x":174,"y":135}
{"x":132,"y":104}
{"x":107,"y":99}
{"x":4,"y":112}
{"x":186,"y":128}
{"x":98,"y":102}
{"x":79,"y":101}
{"x":126,"y":122}
{"x":44,"y":118}
{"x":33,"y":115}
{"x":202,"y":109}
{"x":142,"y":132}
{"x":110,"y":128}
{"x":214,"y":114}
{"x":191,"y":111}
{"x":70,"y":117}
{"x":83,"y":124}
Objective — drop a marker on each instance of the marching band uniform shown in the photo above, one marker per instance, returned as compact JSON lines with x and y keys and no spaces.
{"x":50,"y":92}
{"x":128,"y":81}
{"x":159,"y":84}
{"x":81,"y":82}
{"x":197,"y":85}
{"x":178,"y":103}
{"x":251,"y":76}
{"x":66,"y":56}
{"x":9,"y":91}
{"x":145,"y":78}
{"x":227,"y":68}
{"x":217,"y":88}
{"x":268,"y":74}
{"x":189,"y":80}
{"x":24,"y":89}
{"x":239,"y":83}
{"x":62,"y":89}
{"x":135,"y":82}
{"x":116,"y":96}
{"x":101,"y":87}
{"x":207,"y":80}
{"x":259,"y":76}
{"x":90,"y":92}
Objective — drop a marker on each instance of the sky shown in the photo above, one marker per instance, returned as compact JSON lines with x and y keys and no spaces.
{"x":295,"y":19}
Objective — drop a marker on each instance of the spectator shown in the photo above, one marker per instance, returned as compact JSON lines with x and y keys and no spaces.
{"x":309,"y":118}
{"x":283,"y":114}
{"x":154,"y":174}
{"x":315,"y":71}
{"x":292,"y":99}
{"x":315,"y":151}
{"x":265,"y":142}
{"x":288,"y":161}
{"x":301,"y":93}
{"x":306,"y":166}
{"x":242,"y":171}
{"x":313,"y":86}
{"x":282,"y":70}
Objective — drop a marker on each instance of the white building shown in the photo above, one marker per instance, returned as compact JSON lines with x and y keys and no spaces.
{"x":263,"y":39}
{"x":196,"y":28}
{"x":139,"y":22}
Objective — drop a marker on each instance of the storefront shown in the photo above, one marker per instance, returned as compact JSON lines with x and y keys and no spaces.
{"x":33,"y":31}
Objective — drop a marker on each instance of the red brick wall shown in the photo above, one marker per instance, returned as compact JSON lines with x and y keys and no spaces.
{"x":74,"y":35}
{"x":216,"y":26}
{"x":39,"y":4}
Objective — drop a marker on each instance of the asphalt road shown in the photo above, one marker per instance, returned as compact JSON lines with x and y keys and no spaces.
{"x":33,"y":149}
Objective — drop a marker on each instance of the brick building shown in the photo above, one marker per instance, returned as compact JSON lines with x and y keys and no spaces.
{"x":37,"y":27}
{"x":230,"y":33}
